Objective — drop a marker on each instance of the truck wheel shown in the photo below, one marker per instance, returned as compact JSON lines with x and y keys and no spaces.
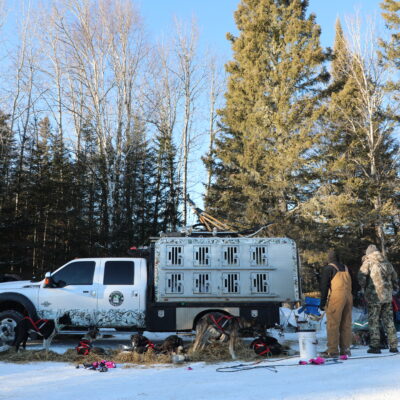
{"x":8,"y":322}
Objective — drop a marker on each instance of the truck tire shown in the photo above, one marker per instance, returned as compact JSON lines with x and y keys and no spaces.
{"x":8,"y":321}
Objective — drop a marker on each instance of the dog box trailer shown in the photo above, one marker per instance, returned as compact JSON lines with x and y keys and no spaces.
{"x":167,"y":289}
{"x":247,"y":277}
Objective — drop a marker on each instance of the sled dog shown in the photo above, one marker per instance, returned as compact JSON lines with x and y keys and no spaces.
{"x":218,"y":326}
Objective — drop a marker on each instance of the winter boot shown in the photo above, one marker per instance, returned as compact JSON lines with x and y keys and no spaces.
{"x":374,"y":350}
{"x":327,"y":354}
{"x":393,"y":350}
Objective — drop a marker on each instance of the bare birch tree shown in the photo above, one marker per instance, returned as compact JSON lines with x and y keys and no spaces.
{"x":103,"y":47}
{"x":161,"y":97}
{"x":216,"y":84}
{"x":191,"y":74}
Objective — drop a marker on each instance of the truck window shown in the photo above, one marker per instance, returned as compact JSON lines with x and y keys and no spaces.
{"x":76,"y":273}
{"x":119,"y":273}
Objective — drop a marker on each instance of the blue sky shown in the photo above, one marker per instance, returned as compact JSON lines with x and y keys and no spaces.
{"x":215,"y":17}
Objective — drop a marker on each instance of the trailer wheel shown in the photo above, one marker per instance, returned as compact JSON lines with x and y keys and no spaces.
{"x":8,"y":322}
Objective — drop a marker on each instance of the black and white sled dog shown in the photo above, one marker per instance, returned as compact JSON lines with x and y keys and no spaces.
{"x":173,"y":344}
{"x":217,"y":326}
{"x":46,"y":328}
{"x":140,"y":344}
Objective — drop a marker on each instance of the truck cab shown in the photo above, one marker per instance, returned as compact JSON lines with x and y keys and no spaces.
{"x":102,"y":292}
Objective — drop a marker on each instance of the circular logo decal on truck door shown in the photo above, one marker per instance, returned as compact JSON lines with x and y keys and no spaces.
{"x":116,"y":298}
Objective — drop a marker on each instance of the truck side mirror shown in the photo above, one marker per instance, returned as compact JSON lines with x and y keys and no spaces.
{"x":48,"y":281}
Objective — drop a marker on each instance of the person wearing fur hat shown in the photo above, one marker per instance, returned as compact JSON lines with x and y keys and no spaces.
{"x":378,"y":280}
{"x":336,"y":287}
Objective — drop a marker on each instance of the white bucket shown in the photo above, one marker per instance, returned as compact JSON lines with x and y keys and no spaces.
{"x":178,"y":358}
{"x":307,"y":344}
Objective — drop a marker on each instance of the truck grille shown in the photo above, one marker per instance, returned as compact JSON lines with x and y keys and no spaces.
{"x":174,"y":283}
{"x":230,"y":283}
{"x":201,"y":283}
{"x":259,"y":283}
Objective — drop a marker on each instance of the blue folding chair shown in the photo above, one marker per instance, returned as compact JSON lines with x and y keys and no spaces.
{"x":311,"y":306}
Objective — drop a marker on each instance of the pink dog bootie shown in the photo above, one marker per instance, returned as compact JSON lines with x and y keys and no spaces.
{"x":317,"y":361}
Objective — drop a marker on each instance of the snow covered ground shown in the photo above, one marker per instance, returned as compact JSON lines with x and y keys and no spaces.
{"x":375,"y":378}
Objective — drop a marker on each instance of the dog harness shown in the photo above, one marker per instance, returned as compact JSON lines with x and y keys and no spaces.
{"x":39,"y":324}
{"x":83,"y":347}
{"x":217,"y":322}
{"x":261,"y":348}
{"x":149,"y":345}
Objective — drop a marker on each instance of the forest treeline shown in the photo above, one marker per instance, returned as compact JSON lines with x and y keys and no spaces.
{"x":102,"y":130}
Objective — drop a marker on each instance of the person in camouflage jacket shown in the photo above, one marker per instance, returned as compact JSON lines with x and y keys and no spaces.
{"x":378,"y":280}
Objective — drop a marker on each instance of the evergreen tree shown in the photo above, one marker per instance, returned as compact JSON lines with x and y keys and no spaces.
{"x":335,"y":211}
{"x":85,"y":192}
{"x":263,"y":156}
{"x":166,"y":195}
{"x":7,"y":181}
{"x":391,"y":53}
{"x":357,"y":168}
{"x":391,"y":15}
{"x":137,"y":189}
{"x":7,"y":158}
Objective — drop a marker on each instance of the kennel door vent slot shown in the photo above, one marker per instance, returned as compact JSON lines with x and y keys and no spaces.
{"x":202,"y":283}
{"x":201,"y":256}
{"x":174,"y":255}
{"x":258,"y":256}
{"x":174,"y":283}
{"x":230,"y":283}
{"x":230,"y":255}
{"x":259,"y":283}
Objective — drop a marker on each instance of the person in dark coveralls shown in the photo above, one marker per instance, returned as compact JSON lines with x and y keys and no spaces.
{"x":378,"y":280}
{"x":336,"y":287}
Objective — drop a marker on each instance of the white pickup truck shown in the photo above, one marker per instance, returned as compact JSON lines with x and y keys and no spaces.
{"x":167,"y":289}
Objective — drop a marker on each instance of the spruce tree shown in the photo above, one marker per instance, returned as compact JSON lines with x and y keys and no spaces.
{"x":391,"y":54}
{"x":336,"y":209}
{"x":7,"y":180}
{"x":391,"y":15}
{"x":272,"y":101}
{"x":357,"y":168}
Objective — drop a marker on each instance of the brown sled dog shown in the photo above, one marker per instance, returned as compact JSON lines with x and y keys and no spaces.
{"x":218,"y":326}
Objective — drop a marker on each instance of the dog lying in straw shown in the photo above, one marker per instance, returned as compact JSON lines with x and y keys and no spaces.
{"x":46,"y":328}
{"x":171,"y":345}
{"x":218,"y":326}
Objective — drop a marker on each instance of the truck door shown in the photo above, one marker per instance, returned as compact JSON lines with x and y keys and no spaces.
{"x":75,"y":294}
{"x":122,"y":293}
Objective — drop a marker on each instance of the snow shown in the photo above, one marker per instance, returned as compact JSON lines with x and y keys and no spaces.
{"x":375,"y":377}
